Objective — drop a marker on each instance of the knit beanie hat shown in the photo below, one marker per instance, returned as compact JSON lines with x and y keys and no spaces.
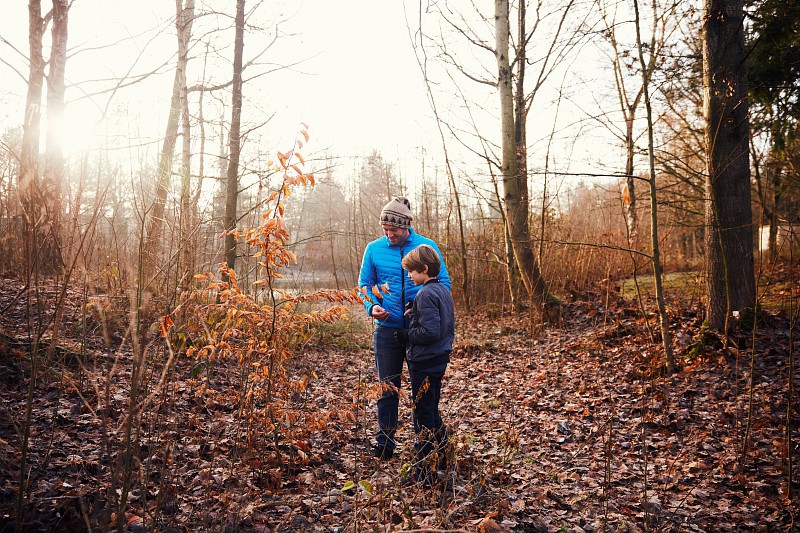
{"x":397,"y":213}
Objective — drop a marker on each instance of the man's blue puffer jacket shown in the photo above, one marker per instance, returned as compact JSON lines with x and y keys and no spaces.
{"x":381,"y":264}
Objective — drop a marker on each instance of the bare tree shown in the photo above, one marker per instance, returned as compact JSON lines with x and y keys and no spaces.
{"x":423,"y":65}
{"x":656,"y":257}
{"x":514,"y":109}
{"x":631,"y":91}
{"x":729,"y":240}
{"x":234,"y":143}
{"x":184,"y":22}
{"x":28,"y":182}
{"x":54,"y":155}
{"x":538,"y":29}
{"x":155,"y":227}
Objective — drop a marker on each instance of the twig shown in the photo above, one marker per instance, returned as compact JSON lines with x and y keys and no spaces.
{"x":14,"y":300}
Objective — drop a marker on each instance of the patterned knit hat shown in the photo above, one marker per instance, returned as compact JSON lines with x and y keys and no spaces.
{"x":397,"y":213}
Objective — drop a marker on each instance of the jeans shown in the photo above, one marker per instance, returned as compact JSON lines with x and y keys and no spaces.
{"x":389,"y":357}
{"x":430,"y":431}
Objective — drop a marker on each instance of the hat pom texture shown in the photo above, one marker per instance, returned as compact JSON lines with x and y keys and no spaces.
{"x":397,"y":213}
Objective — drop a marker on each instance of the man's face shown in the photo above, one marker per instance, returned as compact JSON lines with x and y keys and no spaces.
{"x":395,"y":235}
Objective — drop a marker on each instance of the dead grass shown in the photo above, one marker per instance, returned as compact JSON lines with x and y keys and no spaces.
{"x":778,"y":284}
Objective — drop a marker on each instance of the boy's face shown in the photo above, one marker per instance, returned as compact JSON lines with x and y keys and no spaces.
{"x":419,"y":277}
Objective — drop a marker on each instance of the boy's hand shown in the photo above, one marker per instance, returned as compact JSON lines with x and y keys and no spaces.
{"x":402,"y":337}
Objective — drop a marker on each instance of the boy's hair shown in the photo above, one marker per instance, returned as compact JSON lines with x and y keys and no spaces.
{"x":420,"y":257}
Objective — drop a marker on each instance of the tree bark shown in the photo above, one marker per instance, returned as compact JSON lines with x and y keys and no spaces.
{"x":232,"y":189}
{"x":774,"y":222}
{"x":629,"y":196}
{"x":185,"y":15}
{"x":155,"y":227}
{"x":29,"y":186}
{"x":515,"y":179}
{"x":729,"y":240}
{"x":54,"y":155}
{"x":666,"y":339}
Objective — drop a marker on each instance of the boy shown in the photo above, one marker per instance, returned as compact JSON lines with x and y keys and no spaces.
{"x":429,"y":341}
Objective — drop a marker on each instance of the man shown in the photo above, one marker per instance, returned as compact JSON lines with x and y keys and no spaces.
{"x":382,"y":264}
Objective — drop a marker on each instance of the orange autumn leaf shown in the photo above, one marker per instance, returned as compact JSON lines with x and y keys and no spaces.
{"x":166,"y":323}
{"x":282,"y":158}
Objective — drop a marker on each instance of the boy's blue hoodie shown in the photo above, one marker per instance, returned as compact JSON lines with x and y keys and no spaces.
{"x":432,"y":328}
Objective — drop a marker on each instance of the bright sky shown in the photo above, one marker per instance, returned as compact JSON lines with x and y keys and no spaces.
{"x":354,"y":78}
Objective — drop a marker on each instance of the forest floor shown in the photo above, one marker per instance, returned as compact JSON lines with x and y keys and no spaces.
{"x":572,"y":428}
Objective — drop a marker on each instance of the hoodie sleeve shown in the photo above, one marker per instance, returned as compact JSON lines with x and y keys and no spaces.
{"x":427,"y":327}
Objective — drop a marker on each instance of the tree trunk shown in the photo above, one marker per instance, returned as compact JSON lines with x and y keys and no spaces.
{"x":628,"y":108}
{"x":520,"y":134}
{"x":511,"y":269}
{"x":155,"y":227}
{"x":29,"y":186}
{"x":232,"y":190}
{"x":772,"y":241}
{"x":465,"y":278}
{"x":666,"y":338}
{"x":729,"y":240}
{"x":774,"y":221}
{"x":769,"y":196}
{"x":515,"y":179}
{"x":32,"y":204}
{"x":152,"y":247}
{"x":629,"y":196}
{"x":510,"y":263}
{"x":201,"y":169}
{"x":185,"y":15}
{"x":54,"y":156}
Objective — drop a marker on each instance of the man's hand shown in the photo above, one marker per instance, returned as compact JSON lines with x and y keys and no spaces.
{"x":380,"y":313}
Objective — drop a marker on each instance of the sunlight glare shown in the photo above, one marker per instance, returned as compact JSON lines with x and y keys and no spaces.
{"x":77,"y":129}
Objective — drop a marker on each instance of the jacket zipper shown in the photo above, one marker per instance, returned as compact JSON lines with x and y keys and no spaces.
{"x":403,"y":288}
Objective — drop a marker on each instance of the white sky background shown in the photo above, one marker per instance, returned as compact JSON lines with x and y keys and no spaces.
{"x":356,"y":83}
